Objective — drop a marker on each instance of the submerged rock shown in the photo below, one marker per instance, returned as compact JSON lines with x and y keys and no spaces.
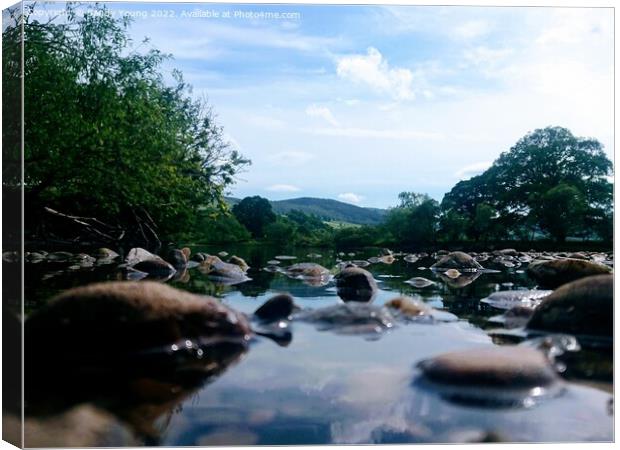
{"x":307,"y":270}
{"x":510,"y":299}
{"x":411,"y":308}
{"x":278,"y":307}
{"x":420,"y":282}
{"x":503,"y":376}
{"x":459,"y":261}
{"x":349,"y":318}
{"x":554,"y":273}
{"x":582,"y":307}
{"x":238,"y":261}
{"x":177,"y":258}
{"x":222,"y":272}
{"x":355,"y":284}
{"x":155,"y":267}
{"x":106,"y":253}
{"x":138,"y":254}
{"x":461,"y":280}
{"x":411,"y":258}
{"x":112,"y":319}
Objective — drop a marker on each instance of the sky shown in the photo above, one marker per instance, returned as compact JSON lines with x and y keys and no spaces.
{"x":359,"y":103}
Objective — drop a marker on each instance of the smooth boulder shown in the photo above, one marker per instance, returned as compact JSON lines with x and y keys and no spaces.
{"x":278,"y":307}
{"x":111,"y":319}
{"x":238,"y":261}
{"x":457,"y":260}
{"x":554,"y":273}
{"x":511,"y":367}
{"x":582,"y":307}
{"x":355,"y":284}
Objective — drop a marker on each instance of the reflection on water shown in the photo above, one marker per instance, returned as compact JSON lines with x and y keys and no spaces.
{"x":322,"y":385}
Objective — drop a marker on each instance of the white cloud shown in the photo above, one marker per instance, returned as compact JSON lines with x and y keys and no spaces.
{"x":283,"y":188}
{"x":374,"y":71}
{"x":375,"y":134}
{"x":472,"y":29}
{"x":471,"y":170}
{"x":290,"y":158}
{"x":575,"y":26}
{"x":323,"y":112}
{"x":351,"y":197}
{"x":482,"y":55}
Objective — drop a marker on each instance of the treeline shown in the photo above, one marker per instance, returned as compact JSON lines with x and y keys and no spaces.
{"x":550,"y":185}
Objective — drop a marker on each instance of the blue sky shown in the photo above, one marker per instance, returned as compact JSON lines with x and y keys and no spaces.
{"x":359,"y":103}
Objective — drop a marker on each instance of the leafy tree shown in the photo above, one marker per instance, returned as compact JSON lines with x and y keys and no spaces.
{"x":415,"y":221}
{"x":105,"y":136}
{"x":562,"y":211}
{"x":254,"y":213}
{"x":517,"y":185}
{"x":453,"y":226}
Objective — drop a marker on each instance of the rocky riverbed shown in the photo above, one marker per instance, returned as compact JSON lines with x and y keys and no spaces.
{"x":258,"y":345}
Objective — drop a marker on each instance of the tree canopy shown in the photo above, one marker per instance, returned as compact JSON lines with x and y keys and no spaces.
{"x":547,"y":165}
{"x":106,"y":136}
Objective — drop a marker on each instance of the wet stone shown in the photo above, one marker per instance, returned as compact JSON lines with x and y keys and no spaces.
{"x":420,"y":282}
{"x":510,"y":299}
{"x":238,"y":261}
{"x":278,"y":307}
{"x":114,"y":319}
{"x":459,"y":261}
{"x":510,"y":367}
{"x":356,"y":284}
{"x":154,"y":267}
{"x":552,"y":274}
{"x":582,"y":307}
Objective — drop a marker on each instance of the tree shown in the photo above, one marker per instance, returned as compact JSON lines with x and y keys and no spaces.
{"x":517,"y":185}
{"x":254,"y":213}
{"x":562,"y":211}
{"x":106,"y":137}
{"x":415,"y":221}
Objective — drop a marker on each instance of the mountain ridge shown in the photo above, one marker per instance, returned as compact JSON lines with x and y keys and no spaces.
{"x":326,"y":209}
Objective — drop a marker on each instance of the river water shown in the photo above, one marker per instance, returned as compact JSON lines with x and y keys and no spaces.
{"x":323,"y":386}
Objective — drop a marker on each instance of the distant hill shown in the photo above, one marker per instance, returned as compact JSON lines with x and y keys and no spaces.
{"x":326,"y":209}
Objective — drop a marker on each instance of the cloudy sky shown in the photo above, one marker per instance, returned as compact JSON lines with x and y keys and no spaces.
{"x":359,"y":103}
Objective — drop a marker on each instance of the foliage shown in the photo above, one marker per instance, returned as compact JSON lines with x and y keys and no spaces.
{"x":562,"y":211}
{"x":105,"y":136}
{"x":214,"y":227}
{"x":546,"y":165}
{"x":255,"y":213}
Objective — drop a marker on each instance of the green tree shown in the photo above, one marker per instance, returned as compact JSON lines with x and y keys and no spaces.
{"x":106,"y":137}
{"x":415,"y":221}
{"x":562,"y":211}
{"x":254,"y":213}
{"x":517,"y":183}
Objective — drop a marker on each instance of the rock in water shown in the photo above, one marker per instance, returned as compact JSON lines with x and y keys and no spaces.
{"x":138,"y":254}
{"x":177,"y":258}
{"x":278,"y":307}
{"x":409,"y":306}
{"x":112,"y":319}
{"x":349,"y":318}
{"x":106,"y":253}
{"x":308,"y":271}
{"x":236,"y":260}
{"x":554,"y":273}
{"x":582,"y":307}
{"x":459,"y":261}
{"x":222,"y":272}
{"x":420,"y":282}
{"x":355,"y":284}
{"x":505,"y":366}
{"x":510,"y":299}
{"x":155,"y":267}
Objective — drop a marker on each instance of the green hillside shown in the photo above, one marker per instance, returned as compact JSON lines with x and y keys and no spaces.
{"x":327,"y":209}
